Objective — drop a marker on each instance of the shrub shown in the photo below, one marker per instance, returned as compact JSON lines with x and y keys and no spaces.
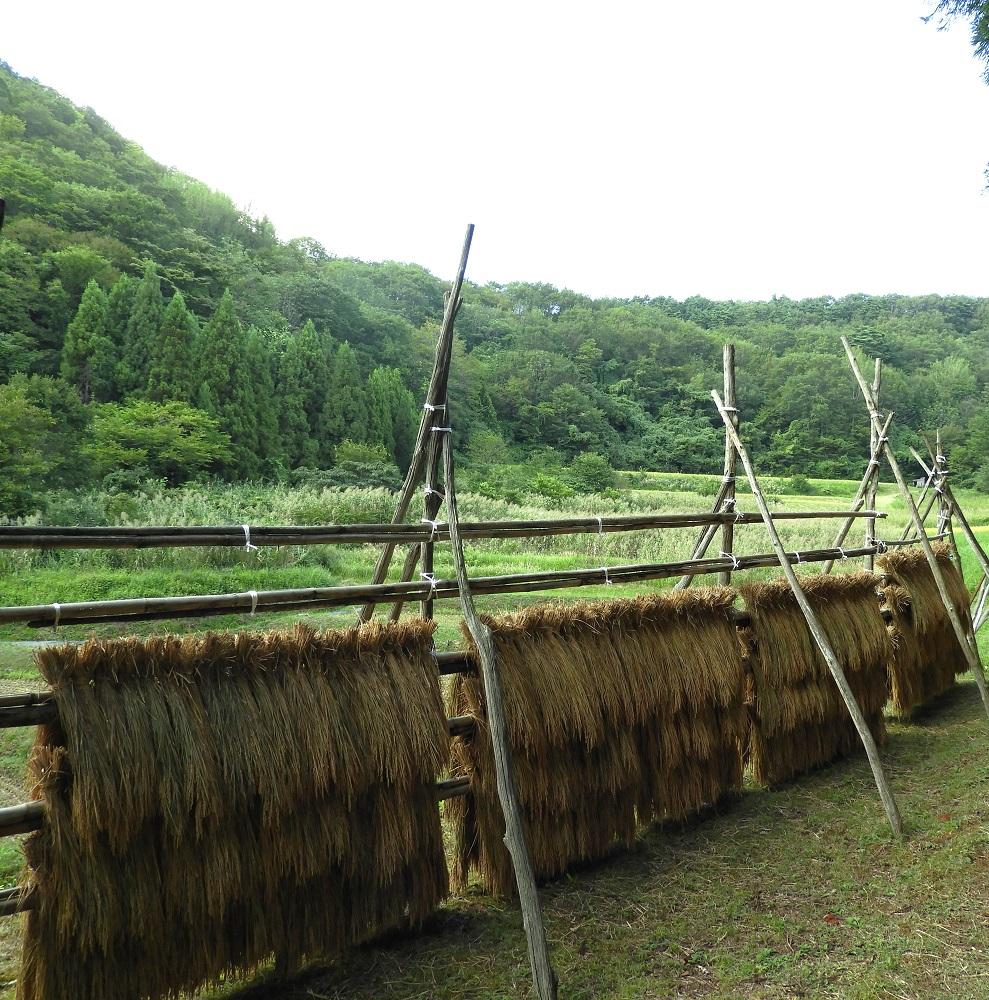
{"x":798,"y":483}
{"x":591,"y":473}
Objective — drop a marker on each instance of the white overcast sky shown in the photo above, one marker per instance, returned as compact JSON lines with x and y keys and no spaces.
{"x":727,"y":149}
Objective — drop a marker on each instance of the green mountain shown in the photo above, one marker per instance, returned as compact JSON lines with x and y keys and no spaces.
{"x":147,"y":324}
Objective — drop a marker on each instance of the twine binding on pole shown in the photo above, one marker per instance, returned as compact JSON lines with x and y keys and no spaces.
{"x":248,"y":547}
{"x":735,"y":563}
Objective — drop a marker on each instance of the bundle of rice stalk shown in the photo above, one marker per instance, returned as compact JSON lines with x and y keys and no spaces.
{"x":927,"y":653}
{"x":619,"y":712}
{"x":212,"y":801}
{"x":800,"y":720}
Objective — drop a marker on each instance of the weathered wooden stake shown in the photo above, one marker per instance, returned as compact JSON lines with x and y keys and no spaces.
{"x":731,"y":459}
{"x":869,"y":561}
{"x":432,"y":416}
{"x":724,"y":499}
{"x":966,"y":641}
{"x":543,"y":976}
{"x":816,"y":630}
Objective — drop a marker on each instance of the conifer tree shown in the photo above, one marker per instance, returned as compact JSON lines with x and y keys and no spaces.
{"x":120,"y":302}
{"x":297,"y":443}
{"x":172,"y":361}
{"x":87,"y":354}
{"x":392,"y":416}
{"x":314,"y":352}
{"x":142,"y":330}
{"x":226,"y":389}
{"x":347,"y":410}
{"x":266,"y":440}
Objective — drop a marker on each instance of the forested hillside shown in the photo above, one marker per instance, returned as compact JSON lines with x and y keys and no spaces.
{"x":148,"y":328}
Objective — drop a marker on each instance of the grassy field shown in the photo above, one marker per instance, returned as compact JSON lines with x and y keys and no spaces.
{"x":700,"y":911}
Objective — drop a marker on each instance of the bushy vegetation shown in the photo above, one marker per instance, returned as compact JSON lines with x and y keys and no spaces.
{"x":148,"y":328}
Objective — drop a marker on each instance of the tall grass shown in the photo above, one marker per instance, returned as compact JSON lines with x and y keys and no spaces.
{"x":39,"y":577}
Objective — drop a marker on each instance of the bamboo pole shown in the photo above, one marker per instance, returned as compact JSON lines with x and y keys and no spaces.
{"x":979,"y":604}
{"x":966,"y":642}
{"x":945,"y":524}
{"x":871,"y":470}
{"x":816,"y":630}
{"x":731,"y":458}
{"x":50,"y":537}
{"x":315,"y":598}
{"x":431,"y":507}
{"x":869,"y":562}
{"x":435,"y":396}
{"x":544,"y":978}
{"x":408,"y":568}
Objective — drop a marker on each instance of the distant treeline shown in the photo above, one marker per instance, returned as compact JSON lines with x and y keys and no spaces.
{"x":147,"y":324}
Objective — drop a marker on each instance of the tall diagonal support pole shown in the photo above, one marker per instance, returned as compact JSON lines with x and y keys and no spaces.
{"x":433,"y":415}
{"x":967,"y":644}
{"x":816,"y":629}
{"x":871,"y":470}
{"x":544,"y":978}
{"x":869,"y":561}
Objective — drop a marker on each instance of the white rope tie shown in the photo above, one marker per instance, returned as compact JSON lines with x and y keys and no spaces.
{"x":431,"y":580}
{"x":430,"y":492}
{"x":430,"y":408}
{"x":881,"y":546}
{"x":842,"y":552}
{"x":57,"y":608}
{"x":739,"y":515}
{"x":248,"y":547}
{"x":441,"y":430}
{"x":735,"y":561}
{"x":600,"y":525}
{"x":434,"y":526}
{"x":254,"y":601}
{"x":797,"y":556}
{"x":607,"y":578}
{"x":730,"y":409}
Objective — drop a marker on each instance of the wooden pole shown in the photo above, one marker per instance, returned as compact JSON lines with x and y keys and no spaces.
{"x":966,"y":642}
{"x":869,"y":561}
{"x":707,"y":533}
{"x":979,"y":604}
{"x":816,"y":630}
{"x":543,"y":976}
{"x":731,"y":459}
{"x":431,"y":508}
{"x":870,"y":472}
{"x":945,"y":525}
{"x":141,"y":609}
{"x":435,"y":396}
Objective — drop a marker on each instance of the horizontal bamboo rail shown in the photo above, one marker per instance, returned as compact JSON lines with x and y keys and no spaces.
{"x":312,"y":598}
{"x":15,"y":900}
{"x":243,"y":536}
{"x":34,"y":708}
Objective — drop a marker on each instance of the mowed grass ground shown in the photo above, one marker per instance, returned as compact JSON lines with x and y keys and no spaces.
{"x":795,"y":892}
